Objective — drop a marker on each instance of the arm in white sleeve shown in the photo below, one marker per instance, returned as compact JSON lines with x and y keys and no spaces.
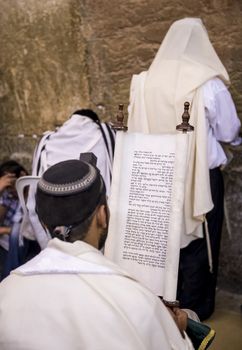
{"x":223,"y":119}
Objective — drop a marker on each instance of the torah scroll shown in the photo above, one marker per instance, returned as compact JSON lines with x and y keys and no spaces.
{"x":146,"y":208}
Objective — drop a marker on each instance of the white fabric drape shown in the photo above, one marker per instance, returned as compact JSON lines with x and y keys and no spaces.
{"x":72,"y":297}
{"x":77,"y":135}
{"x":184,"y":62}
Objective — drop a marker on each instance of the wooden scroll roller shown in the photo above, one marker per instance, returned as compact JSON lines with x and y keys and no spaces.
{"x":185,"y":126}
{"x":118,"y":124}
{"x":170,"y":304}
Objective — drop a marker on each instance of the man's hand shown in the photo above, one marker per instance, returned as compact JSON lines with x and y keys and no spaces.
{"x":4,"y":230}
{"x":180,"y":318}
{"x":7,"y":181}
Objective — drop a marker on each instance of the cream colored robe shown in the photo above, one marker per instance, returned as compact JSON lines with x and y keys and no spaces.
{"x":185,"y":60}
{"x":71,"y":297}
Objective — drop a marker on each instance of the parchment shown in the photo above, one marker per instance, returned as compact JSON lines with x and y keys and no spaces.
{"x":146,"y":207}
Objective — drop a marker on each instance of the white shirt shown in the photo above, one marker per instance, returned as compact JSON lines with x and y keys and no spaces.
{"x":223,"y":123}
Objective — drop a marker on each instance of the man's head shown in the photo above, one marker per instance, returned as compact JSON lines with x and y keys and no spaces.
{"x":71,"y":202}
{"x":16,"y":170}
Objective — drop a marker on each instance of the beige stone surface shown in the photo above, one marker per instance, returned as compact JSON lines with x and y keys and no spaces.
{"x":42,"y":64}
{"x":227,"y":322}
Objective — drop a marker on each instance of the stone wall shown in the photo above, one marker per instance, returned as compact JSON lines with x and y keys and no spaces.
{"x":230,"y":271}
{"x":43,"y":69}
{"x":57,"y":56}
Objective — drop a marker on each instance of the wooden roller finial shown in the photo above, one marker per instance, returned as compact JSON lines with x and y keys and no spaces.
{"x":118,"y":124}
{"x":185,"y":126}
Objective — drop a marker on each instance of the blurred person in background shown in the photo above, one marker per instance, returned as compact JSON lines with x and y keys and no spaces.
{"x":10,"y":171}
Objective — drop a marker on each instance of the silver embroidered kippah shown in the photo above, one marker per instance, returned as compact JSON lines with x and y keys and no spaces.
{"x":69,"y":188}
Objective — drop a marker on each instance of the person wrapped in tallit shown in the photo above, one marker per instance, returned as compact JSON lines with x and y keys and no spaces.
{"x":187,"y":68}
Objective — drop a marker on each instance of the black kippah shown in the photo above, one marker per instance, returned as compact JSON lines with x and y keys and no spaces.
{"x":68,"y":193}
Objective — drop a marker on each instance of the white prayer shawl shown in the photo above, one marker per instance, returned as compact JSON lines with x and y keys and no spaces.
{"x":184,"y":62}
{"x":71,"y":297}
{"x":77,"y":135}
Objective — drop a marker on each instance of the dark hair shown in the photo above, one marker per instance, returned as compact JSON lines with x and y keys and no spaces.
{"x":13,"y":167}
{"x":79,"y":232}
{"x":66,"y":209}
{"x":88,"y":113}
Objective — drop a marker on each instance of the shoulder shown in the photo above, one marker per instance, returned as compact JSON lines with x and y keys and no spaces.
{"x":138,"y":78}
{"x":214,"y":86}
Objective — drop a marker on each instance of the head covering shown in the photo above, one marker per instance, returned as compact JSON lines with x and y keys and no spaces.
{"x":185,"y":60}
{"x":68,"y":193}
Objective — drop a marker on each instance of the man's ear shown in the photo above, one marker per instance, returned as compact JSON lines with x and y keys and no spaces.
{"x":102,"y":216}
